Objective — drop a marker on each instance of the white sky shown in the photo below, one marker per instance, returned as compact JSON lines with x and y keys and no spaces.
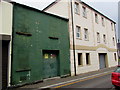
{"x":108,"y":7}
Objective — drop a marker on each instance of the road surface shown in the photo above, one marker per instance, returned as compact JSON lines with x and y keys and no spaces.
{"x":100,"y":82}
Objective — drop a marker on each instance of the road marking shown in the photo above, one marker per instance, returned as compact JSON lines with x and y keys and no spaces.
{"x":58,"y":85}
{"x":82,"y":80}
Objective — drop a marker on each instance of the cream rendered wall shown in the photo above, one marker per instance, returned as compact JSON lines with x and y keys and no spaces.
{"x":6,"y":15}
{"x":6,"y":18}
{"x":83,"y":22}
{"x":94,"y":62}
{"x":0,"y":17}
{"x":109,"y":35}
{"x":93,"y":28}
{"x":60,"y":8}
{"x":87,"y":23}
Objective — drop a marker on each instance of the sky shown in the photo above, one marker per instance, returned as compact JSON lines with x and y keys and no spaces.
{"x":107,"y":7}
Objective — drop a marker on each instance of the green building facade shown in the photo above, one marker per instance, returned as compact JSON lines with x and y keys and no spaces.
{"x":40,"y":45}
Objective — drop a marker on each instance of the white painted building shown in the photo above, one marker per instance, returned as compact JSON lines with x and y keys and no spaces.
{"x":6,"y":10}
{"x":92,"y":36}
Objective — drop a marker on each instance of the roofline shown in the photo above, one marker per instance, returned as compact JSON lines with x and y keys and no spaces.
{"x":50,"y":5}
{"x":13,"y":2}
{"x":97,"y":11}
{"x":53,"y":3}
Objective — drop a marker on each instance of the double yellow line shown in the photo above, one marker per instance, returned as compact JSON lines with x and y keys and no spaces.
{"x":81,"y":80}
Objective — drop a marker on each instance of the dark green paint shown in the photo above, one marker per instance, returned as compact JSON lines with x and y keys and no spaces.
{"x":50,"y":62}
{"x":34,"y":29}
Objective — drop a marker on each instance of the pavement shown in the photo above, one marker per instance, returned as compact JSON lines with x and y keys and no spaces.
{"x":56,"y":82}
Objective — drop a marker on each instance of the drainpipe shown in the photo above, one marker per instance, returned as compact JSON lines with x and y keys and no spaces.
{"x":73,"y":37}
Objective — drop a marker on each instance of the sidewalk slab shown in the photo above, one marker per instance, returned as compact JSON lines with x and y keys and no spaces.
{"x":56,"y":80}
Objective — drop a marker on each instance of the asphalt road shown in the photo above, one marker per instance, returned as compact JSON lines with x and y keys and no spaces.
{"x":99,"y":82}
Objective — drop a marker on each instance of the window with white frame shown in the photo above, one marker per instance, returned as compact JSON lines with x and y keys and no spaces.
{"x":98,"y":37}
{"x":104,"y":38}
{"x":103,"y":22}
{"x":76,"y":7}
{"x":84,"y":11}
{"x":86,"y":34}
{"x":78,"y":32}
{"x":96,"y":18}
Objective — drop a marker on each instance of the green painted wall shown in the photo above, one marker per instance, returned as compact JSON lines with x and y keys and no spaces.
{"x":31,"y":32}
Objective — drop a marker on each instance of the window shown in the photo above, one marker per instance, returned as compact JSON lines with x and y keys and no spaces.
{"x":76,"y":8}
{"x":87,"y":58}
{"x":96,"y":18}
{"x":98,"y":37}
{"x":113,"y":41}
{"x":115,"y":56}
{"x":78,"y":32}
{"x":112,"y":26}
{"x":104,"y":38}
{"x":86,"y":34}
{"x":79,"y":58}
{"x":84,"y":12}
{"x":103,"y":23}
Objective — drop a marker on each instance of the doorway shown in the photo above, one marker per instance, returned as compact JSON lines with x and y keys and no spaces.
{"x":5,"y":46}
{"x":102,"y":60}
{"x":50,"y":63}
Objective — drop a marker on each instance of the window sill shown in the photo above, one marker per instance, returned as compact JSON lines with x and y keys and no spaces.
{"x":86,"y":40}
{"x":88,"y":64}
{"x":80,"y":65}
{"x":79,"y":38}
{"x":85,"y":17}
{"x":103,"y":25}
{"x":77,"y":13}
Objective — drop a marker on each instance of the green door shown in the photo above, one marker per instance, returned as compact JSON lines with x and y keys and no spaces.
{"x":50,"y":67}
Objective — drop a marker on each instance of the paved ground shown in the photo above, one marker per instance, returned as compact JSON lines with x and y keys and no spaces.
{"x":99,"y":82}
{"x":96,"y":79}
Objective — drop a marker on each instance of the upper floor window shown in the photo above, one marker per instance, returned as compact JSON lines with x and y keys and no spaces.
{"x":86,"y":36}
{"x":103,"y":22}
{"x":78,"y":32}
{"x":84,"y":11}
{"x":104,"y":38}
{"x":112,"y":26}
{"x":76,"y":7}
{"x":98,"y":37}
{"x":113,"y":41}
{"x":96,"y":18}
